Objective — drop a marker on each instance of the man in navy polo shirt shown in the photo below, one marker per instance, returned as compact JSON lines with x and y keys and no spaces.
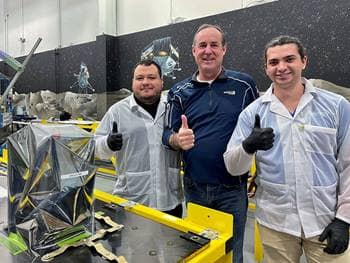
{"x":202,"y":112}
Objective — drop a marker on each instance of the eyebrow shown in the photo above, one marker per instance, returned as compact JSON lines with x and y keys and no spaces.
{"x":286,"y":57}
{"x":209,"y":42}
{"x":290,"y":56}
{"x":146,"y":75}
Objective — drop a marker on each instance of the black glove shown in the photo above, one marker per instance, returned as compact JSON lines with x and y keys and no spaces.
{"x":259,"y":139}
{"x":115,"y":139}
{"x":337,"y":234}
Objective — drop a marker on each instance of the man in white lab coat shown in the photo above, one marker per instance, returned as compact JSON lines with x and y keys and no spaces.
{"x":131,"y":130}
{"x":300,"y":137}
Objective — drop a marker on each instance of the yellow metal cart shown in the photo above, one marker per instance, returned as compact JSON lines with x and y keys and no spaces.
{"x":203,"y":222}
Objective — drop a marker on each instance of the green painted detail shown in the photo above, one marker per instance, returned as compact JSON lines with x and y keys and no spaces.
{"x":100,"y":213}
{"x":74,"y":239}
{"x":14,"y":243}
{"x":70,"y":235}
{"x":12,"y":62}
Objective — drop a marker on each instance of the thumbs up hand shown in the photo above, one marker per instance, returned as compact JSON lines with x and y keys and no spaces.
{"x":184,"y":139}
{"x":259,"y":139}
{"x":115,"y":139}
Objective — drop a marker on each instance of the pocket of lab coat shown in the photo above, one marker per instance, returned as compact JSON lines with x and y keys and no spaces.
{"x":324,"y":199}
{"x":273,"y":197}
{"x":138,"y":183}
{"x":174,"y":179}
{"x":320,"y":139}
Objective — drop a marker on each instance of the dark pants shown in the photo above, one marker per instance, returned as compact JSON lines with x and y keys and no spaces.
{"x":177,"y":211}
{"x":231,"y":199}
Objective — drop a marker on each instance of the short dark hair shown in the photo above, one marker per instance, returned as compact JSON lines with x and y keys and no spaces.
{"x":148,"y":62}
{"x":283,"y":40}
{"x":217,"y":27}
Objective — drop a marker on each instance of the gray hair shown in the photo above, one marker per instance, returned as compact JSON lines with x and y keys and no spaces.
{"x":217,"y":27}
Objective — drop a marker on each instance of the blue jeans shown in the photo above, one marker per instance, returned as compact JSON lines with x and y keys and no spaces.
{"x":231,"y":199}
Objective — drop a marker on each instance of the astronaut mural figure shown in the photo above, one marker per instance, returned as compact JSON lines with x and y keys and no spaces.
{"x":82,"y":80}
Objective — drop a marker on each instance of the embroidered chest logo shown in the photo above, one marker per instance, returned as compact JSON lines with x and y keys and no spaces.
{"x":230,"y":92}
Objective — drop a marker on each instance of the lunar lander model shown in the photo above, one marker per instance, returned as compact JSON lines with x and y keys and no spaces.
{"x":165,"y":54}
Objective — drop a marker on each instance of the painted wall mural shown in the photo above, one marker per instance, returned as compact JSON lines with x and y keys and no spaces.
{"x":46,"y":104}
{"x":82,"y":84}
{"x":321,"y":25}
{"x":165,"y":54}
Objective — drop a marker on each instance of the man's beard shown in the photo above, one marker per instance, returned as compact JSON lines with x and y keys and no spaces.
{"x":149,"y":100}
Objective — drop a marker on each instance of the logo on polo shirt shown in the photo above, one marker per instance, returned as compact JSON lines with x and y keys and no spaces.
{"x":230,"y":92}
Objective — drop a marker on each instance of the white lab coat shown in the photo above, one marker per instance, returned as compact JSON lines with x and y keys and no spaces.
{"x":147,"y":171}
{"x":304,"y":180}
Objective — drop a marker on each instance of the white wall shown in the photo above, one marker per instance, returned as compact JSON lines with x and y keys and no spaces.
{"x":62,"y":23}
{"x":59,"y":23}
{"x":80,"y":22}
{"x":26,"y":24}
{"x":164,"y":12}
{"x":2,"y":27}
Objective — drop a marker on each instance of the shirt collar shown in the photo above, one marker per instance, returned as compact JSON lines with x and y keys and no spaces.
{"x":134,"y":106}
{"x":133,"y":103}
{"x":222,"y":75}
{"x":309,"y":89}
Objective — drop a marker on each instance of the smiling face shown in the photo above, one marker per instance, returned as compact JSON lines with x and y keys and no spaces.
{"x":208,"y":51}
{"x":284,"y":65}
{"x":147,"y":84}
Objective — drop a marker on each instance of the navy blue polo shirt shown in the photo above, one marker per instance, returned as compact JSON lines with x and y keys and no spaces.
{"x":212,"y":111}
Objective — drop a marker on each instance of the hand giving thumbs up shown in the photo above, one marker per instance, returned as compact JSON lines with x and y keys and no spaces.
{"x":184,"y":139}
{"x":259,"y":139}
{"x":115,"y":139}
